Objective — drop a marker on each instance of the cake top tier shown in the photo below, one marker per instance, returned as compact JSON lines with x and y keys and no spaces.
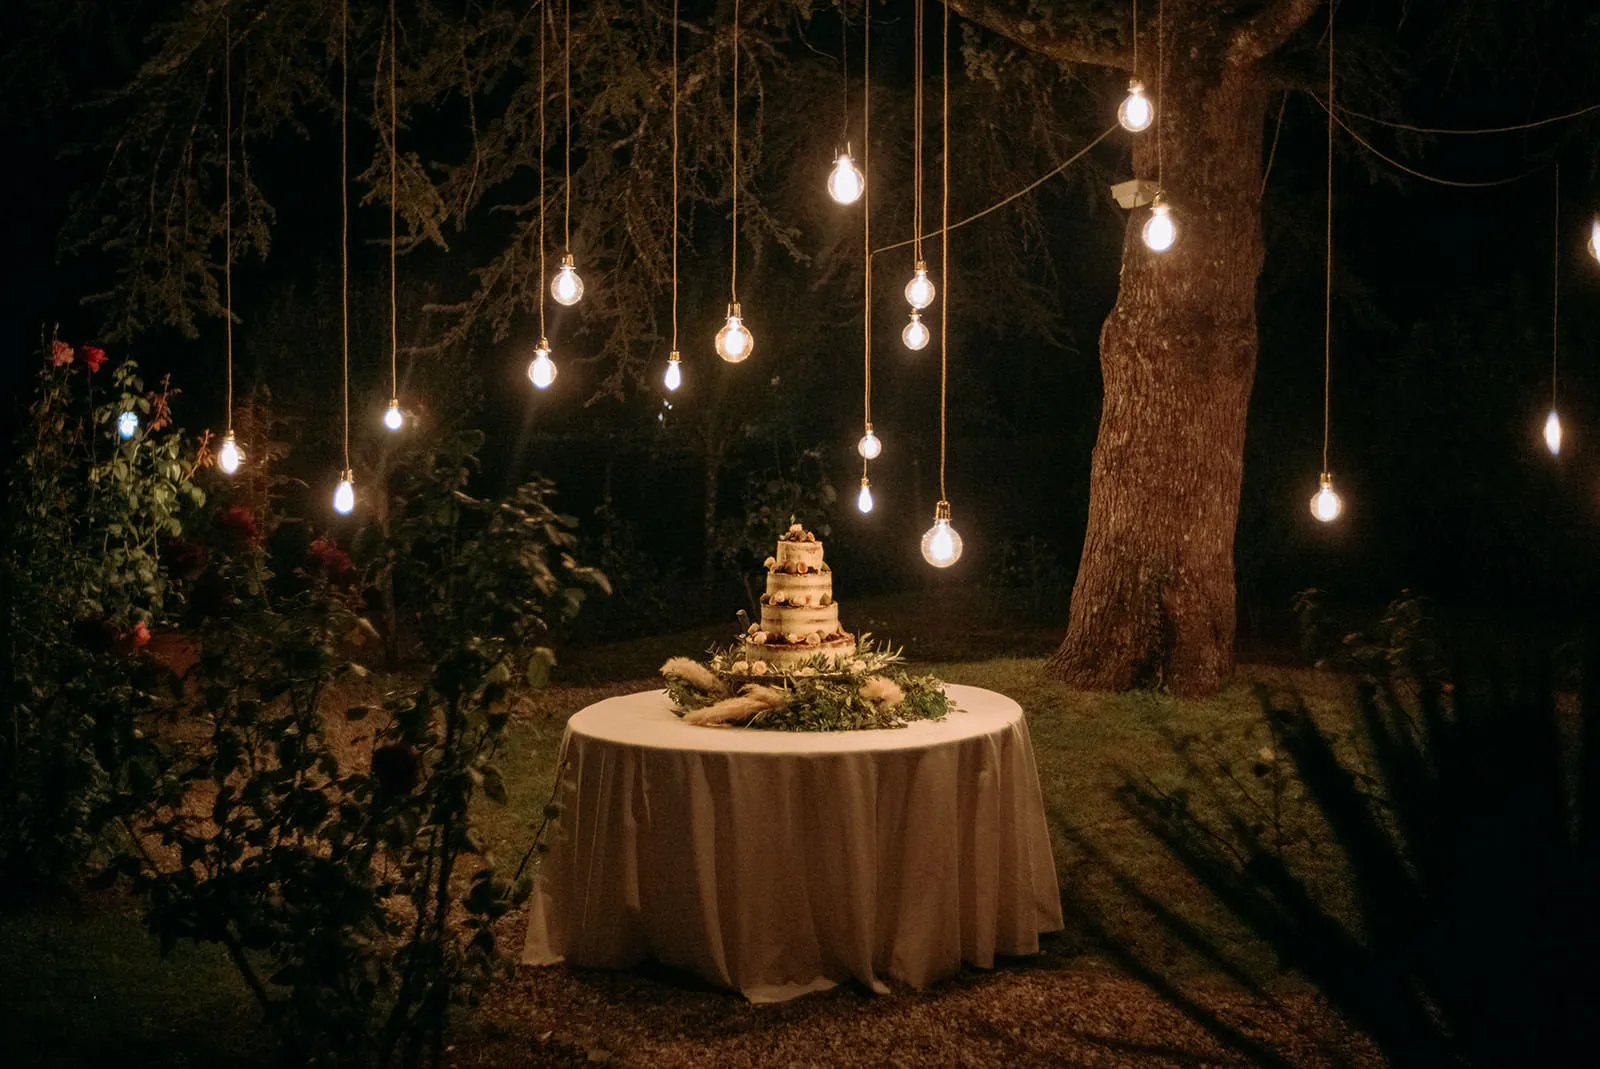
{"x":797,"y":533}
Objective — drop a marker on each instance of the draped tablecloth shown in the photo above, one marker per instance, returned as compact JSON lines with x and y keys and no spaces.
{"x":775,"y":863}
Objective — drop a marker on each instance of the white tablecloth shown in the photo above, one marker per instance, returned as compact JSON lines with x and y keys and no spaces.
{"x":776,"y":863}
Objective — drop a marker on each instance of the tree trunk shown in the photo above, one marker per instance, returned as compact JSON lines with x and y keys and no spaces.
{"x":1154,"y":602}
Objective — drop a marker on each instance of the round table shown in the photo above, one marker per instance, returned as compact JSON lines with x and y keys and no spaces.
{"x":775,"y":863}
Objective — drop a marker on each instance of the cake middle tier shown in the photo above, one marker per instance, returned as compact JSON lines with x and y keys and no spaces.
{"x":815,"y":588}
{"x":782,"y":620}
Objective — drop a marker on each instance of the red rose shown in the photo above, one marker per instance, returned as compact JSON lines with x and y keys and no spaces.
{"x":60,"y":353}
{"x":240,"y":522}
{"x":141,"y":635}
{"x":93,"y":356}
{"x":329,"y":557}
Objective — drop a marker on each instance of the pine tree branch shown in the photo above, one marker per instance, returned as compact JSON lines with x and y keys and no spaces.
{"x":1011,"y":21}
{"x":1268,"y":30}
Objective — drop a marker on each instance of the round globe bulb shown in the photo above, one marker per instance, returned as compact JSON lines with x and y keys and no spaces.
{"x":920,"y":291}
{"x":941,"y":545}
{"x":128,"y":424}
{"x":1552,"y":433}
{"x":230,"y":456}
{"x":393,"y":418}
{"x":864,"y":498}
{"x":915,"y":335}
{"x":734,"y":340}
{"x":567,"y":287}
{"x":1325,"y":504}
{"x":870,"y":446}
{"x":1136,"y":112}
{"x":542,"y":372}
{"x":674,"y":376}
{"x":344,"y":498}
{"x":846,"y":182}
{"x":1594,"y":238}
{"x":1159,"y":230}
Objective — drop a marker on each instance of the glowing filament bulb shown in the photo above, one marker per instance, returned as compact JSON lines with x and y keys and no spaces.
{"x":920,"y":291}
{"x":864,"y":498}
{"x":1159,"y":230}
{"x":1135,"y":113}
{"x":1552,"y":433}
{"x":846,"y":182}
{"x":1325,"y":504}
{"x":567,"y":286}
{"x":344,"y":498}
{"x":128,"y":424}
{"x":230,"y":456}
{"x":674,"y":376}
{"x":1594,"y":238}
{"x":870,"y":446}
{"x":734,"y":340}
{"x":941,"y":545}
{"x":915,"y":335}
{"x":392,"y":416}
{"x":542,"y":372}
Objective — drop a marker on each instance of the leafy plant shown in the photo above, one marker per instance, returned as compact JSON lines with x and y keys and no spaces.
{"x":89,"y":513}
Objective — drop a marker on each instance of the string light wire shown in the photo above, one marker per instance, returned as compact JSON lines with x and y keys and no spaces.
{"x":227,"y":206}
{"x":1327,"y":289}
{"x":1555,"y":289}
{"x":997,"y":205}
{"x":674,"y":177}
{"x":1460,"y":131}
{"x":394,"y":194}
{"x":1397,"y":165}
{"x":944,"y":251}
{"x":566,"y":80}
{"x":344,"y":211}
{"x":544,"y":12}
{"x":916,"y":135}
{"x":866,"y":220}
{"x":733,"y":280}
{"x":1161,"y":71}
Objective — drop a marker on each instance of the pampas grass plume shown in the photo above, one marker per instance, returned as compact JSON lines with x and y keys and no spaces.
{"x":695,"y":674}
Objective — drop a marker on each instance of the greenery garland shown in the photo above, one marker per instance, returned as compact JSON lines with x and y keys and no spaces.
{"x":870,"y":690}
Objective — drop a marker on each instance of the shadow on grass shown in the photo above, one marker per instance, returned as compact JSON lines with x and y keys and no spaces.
{"x":1463,"y":817}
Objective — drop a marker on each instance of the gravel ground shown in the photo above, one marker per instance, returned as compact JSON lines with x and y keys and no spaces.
{"x":1020,"y":1015}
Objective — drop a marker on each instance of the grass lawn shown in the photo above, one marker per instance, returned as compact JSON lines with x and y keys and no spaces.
{"x":78,"y":983}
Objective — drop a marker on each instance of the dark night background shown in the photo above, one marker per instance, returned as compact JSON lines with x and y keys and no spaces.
{"x":1441,"y":344}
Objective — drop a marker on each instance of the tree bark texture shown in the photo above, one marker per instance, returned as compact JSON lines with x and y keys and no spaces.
{"x":1154,"y":599}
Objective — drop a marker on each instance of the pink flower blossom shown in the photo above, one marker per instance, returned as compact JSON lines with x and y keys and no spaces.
{"x":60,"y":354}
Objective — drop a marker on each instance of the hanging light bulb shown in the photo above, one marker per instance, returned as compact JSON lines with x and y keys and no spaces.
{"x":1594,"y":238}
{"x":1325,"y":504}
{"x":915,"y":334}
{"x":734,"y":340}
{"x":128,"y":424}
{"x":1552,"y":433}
{"x":674,"y":376}
{"x":1159,"y":230}
{"x":1136,"y":111}
{"x":542,"y":371}
{"x":393,"y":418}
{"x":870,"y":446}
{"x":846,"y":183}
{"x":567,"y":286}
{"x":344,"y":498}
{"x":920,"y":291}
{"x":864,"y":498}
{"x":230,"y":456}
{"x":941,"y":545}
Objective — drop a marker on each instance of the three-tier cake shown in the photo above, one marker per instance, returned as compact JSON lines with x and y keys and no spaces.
{"x":799,"y":618}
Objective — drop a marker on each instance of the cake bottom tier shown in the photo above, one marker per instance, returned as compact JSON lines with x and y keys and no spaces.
{"x":785,"y":655}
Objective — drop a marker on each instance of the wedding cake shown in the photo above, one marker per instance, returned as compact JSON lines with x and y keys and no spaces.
{"x":799,"y":618}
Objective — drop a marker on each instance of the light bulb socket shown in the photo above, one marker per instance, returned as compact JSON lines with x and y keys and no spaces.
{"x":921,"y":267}
{"x":567,"y":261}
{"x":348,"y":476}
{"x":864,"y":483}
{"x":1135,"y":86}
{"x":674,"y":358}
{"x":1326,"y":482}
{"x":733,"y":309}
{"x":941,"y":511}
